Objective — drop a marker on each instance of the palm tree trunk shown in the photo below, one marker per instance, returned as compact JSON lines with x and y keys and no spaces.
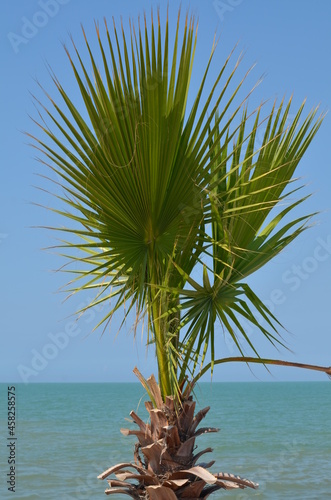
{"x":160,"y":331}
{"x":165,"y":465}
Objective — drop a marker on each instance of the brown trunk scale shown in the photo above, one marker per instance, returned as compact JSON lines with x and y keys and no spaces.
{"x":165,"y":466}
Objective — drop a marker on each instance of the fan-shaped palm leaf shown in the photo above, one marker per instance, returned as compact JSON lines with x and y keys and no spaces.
{"x":153,"y":190}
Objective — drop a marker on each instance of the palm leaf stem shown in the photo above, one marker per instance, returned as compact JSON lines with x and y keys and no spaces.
{"x":263,"y":361}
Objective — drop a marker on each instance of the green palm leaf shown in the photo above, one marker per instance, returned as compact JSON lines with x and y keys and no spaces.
{"x":244,"y":189}
{"x":153,"y":190}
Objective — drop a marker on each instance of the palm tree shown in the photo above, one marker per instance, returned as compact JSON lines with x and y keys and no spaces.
{"x":171,"y":208}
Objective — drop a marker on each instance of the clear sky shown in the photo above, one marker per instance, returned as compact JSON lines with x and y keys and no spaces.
{"x":291,"y":44}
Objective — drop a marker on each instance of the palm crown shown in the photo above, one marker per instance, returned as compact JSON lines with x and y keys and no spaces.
{"x":155,"y":191}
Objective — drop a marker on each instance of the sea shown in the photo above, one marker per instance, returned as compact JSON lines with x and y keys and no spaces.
{"x":276,"y":433}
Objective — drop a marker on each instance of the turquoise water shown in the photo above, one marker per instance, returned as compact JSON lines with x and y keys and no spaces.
{"x":277,"y":434}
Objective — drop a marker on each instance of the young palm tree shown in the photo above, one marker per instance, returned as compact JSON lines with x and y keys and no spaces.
{"x":158,"y":194}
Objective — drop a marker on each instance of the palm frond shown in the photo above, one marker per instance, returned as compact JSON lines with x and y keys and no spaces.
{"x":152,"y":189}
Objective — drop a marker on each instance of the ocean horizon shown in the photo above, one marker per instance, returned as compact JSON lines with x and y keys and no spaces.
{"x":275,"y":433}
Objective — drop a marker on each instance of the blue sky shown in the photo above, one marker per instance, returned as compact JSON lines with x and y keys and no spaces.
{"x":40,"y":342}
